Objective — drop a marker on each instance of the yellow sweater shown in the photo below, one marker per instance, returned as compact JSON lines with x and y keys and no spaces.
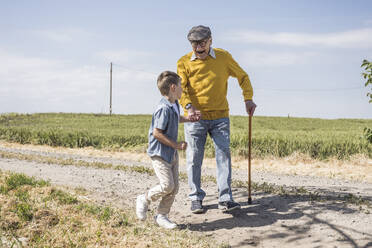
{"x":204,"y":83}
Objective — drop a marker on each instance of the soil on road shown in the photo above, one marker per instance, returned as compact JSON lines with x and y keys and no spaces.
{"x":271,"y":221}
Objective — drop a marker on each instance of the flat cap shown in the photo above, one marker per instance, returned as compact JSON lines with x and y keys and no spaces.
{"x":199,"y":33}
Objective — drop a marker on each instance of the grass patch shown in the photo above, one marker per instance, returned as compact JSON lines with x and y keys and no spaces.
{"x":62,"y":197}
{"x":24,"y":211}
{"x":15,"y":180}
{"x":33,"y":215}
{"x":104,"y":213}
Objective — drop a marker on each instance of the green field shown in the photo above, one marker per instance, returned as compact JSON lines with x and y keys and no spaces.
{"x":272,"y":136}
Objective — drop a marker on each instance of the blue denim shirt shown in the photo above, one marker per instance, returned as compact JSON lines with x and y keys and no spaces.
{"x":165,"y":118}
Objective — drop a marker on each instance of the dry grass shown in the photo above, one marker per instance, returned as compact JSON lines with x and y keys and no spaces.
{"x":87,"y":151}
{"x":35,"y":214}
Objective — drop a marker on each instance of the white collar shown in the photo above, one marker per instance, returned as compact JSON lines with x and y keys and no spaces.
{"x":211,"y":53}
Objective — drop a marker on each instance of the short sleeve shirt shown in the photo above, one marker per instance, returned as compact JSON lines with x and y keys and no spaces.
{"x":165,"y":118}
{"x":175,"y":107}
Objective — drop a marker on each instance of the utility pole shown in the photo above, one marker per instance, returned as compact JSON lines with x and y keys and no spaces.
{"x":110,"y":88}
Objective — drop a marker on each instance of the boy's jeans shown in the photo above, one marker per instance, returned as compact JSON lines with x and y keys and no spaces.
{"x":195,"y":136}
{"x":168,"y":186}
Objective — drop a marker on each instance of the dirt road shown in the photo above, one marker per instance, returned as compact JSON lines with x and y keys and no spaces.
{"x":271,"y":221}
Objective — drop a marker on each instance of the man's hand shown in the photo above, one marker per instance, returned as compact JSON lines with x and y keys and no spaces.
{"x":181,"y":145}
{"x":250,"y":106}
{"x":193,"y":114}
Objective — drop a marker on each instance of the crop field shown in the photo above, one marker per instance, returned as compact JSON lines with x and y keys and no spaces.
{"x":272,"y":136}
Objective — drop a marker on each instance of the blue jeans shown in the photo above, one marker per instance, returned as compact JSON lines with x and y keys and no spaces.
{"x":196,"y":136}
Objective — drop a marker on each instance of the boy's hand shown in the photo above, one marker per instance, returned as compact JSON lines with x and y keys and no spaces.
{"x":181,"y":145}
{"x":193,"y":114}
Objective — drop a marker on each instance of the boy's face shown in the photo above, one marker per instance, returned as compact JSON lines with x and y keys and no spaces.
{"x":178,"y":90}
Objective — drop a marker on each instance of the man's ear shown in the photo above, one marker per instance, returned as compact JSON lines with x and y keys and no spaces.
{"x":172,"y":87}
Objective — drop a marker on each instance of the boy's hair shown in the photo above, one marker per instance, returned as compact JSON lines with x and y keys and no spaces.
{"x":165,"y":80}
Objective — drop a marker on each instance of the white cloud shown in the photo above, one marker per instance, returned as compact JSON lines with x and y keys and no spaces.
{"x":349,"y":39}
{"x":261,"y":58}
{"x":33,"y":84}
{"x":45,"y":80}
{"x":63,"y":35}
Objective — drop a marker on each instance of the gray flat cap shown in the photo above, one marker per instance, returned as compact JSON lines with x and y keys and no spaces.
{"x":199,"y":33}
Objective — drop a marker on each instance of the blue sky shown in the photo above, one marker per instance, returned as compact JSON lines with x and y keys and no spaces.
{"x":303,"y":57}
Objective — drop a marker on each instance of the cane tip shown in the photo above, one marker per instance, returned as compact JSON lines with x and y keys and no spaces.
{"x":249,"y":200}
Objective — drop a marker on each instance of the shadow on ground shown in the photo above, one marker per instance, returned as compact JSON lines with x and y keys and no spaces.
{"x":267,"y":210}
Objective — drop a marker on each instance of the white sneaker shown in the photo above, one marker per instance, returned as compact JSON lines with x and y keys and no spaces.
{"x":141,"y":207}
{"x":164,"y":222}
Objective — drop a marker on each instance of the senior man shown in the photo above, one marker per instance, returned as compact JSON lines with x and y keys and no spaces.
{"x":204,"y":73}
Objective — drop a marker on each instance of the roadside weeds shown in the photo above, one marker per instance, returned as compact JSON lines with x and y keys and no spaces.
{"x":35,"y":214}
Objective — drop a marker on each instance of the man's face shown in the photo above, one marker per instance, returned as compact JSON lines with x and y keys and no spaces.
{"x":201,"y":48}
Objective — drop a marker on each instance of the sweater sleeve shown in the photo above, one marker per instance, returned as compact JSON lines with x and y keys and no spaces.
{"x":181,"y":71}
{"x":236,"y":71}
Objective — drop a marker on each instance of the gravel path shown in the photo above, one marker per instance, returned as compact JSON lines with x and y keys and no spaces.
{"x":271,"y":221}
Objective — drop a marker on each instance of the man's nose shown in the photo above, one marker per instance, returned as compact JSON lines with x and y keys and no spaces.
{"x":199,"y":47}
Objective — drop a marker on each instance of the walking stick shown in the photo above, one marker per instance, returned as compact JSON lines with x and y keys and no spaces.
{"x":249,"y":158}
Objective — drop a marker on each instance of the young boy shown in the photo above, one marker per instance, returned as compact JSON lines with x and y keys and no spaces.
{"x":163,"y":148}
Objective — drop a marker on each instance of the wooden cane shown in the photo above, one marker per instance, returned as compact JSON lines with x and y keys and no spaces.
{"x":249,"y":158}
